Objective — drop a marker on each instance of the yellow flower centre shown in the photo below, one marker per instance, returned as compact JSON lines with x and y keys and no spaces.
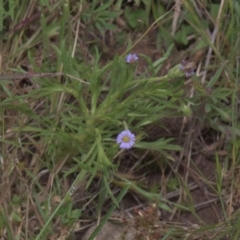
{"x":126,"y":139}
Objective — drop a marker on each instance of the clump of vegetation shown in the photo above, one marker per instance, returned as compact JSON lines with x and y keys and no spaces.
{"x":111,"y":105}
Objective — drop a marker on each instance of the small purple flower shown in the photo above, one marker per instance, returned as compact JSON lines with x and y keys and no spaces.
{"x":126,"y":139}
{"x":188,"y":68}
{"x":131,"y":58}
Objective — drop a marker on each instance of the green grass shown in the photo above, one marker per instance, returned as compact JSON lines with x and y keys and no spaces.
{"x":61,"y":168}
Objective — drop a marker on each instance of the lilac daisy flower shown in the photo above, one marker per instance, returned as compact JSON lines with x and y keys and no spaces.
{"x":126,"y":139}
{"x":188,"y":68}
{"x":131,"y":58}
